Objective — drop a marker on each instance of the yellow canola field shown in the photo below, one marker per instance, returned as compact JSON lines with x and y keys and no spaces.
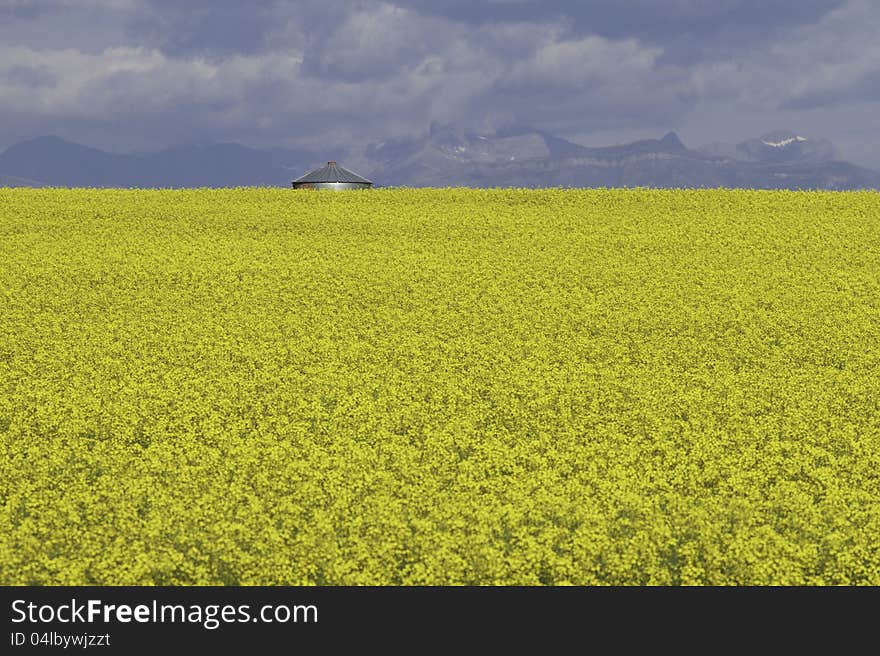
{"x":261,"y":386}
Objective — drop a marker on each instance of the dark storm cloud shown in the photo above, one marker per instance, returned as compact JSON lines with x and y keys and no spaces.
{"x":689,"y":30}
{"x":147,"y":73}
{"x":686,"y":28}
{"x":646,"y":19}
{"x":221,"y":27}
{"x":17,"y":10}
{"x":204,"y":27}
{"x":29,"y":76}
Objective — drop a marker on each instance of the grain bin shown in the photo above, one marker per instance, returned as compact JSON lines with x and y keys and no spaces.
{"x":331,"y":176}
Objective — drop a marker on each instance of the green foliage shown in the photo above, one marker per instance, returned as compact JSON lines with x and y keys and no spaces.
{"x":439,"y":387}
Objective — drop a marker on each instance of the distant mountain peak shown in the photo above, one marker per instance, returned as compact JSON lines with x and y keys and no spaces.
{"x":671,"y":141}
{"x":45,"y":141}
{"x":53,"y":161}
{"x":782,"y":143}
{"x":778,"y":135}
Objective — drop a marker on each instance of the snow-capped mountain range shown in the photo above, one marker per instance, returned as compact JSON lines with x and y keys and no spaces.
{"x":531,"y":158}
{"x":445,"y":156}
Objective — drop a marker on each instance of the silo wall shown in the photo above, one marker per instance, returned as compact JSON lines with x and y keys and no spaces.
{"x":333,"y":186}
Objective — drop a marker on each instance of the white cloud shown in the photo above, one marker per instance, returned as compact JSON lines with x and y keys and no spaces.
{"x":835,"y":60}
{"x":591,"y":60}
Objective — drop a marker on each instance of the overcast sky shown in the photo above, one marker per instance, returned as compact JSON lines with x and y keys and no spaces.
{"x":143,"y":74}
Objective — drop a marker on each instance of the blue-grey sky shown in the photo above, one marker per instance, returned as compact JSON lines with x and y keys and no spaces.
{"x":144,"y":74}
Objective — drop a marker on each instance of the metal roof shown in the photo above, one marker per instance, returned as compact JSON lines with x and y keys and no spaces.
{"x":332,"y":172}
